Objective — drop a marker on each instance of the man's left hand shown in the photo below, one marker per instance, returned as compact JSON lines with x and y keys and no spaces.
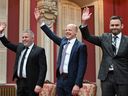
{"x":75,"y":90}
{"x":37,"y":89}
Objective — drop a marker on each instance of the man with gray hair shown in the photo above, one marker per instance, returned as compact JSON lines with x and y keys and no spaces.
{"x":30,"y":64}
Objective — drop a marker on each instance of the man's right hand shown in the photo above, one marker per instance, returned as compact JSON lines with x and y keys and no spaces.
{"x":86,"y":15}
{"x":37,"y":14}
{"x":2,"y":27}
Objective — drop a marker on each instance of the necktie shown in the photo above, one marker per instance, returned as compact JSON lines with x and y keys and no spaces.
{"x":114,"y":44}
{"x":63,"y":57}
{"x":22,"y":62}
{"x":114,"y":38}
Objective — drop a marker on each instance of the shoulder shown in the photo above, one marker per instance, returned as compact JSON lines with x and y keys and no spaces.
{"x":125,"y":36}
{"x":20,"y":45}
{"x":38,"y":48}
{"x":80,"y":44}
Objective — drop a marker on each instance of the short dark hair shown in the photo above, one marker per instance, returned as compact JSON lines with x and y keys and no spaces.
{"x":116,"y":17}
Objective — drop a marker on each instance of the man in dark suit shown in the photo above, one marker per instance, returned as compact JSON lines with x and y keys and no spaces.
{"x":70,"y":77}
{"x":30,"y":77}
{"x":113,"y":71}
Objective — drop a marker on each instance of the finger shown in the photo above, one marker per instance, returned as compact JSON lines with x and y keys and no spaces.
{"x":3,"y":24}
{"x":84,"y":10}
{"x":90,"y":14}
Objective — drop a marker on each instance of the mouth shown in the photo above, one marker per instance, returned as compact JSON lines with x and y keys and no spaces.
{"x":114,"y":30}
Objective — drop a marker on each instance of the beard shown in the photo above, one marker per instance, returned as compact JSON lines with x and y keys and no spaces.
{"x":115,"y":31}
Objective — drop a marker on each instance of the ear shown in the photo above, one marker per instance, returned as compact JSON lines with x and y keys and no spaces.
{"x":122,"y":26}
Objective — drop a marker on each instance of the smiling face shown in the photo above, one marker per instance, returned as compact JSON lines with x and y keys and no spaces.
{"x":116,"y":26}
{"x":71,"y":31}
{"x":27,"y":38}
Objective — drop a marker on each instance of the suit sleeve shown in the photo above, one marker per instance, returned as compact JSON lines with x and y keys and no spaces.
{"x":90,"y":38}
{"x":82,"y":65}
{"x":42,"y":68}
{"x":8,"y":44}
{"x":51,"y":35}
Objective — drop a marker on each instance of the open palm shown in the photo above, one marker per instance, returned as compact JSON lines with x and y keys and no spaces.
{"x":86,"y":15}
{"x":37,"y":14}
{"x":2,"y":26}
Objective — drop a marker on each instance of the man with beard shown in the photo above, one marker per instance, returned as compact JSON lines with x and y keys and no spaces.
{"x":113,"y":71}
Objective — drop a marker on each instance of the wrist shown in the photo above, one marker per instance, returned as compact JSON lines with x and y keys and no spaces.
{"x":84,"y":22}
{"x":1,"y":34}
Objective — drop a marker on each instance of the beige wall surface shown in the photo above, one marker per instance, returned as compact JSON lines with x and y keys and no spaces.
{"x":3,"y":51}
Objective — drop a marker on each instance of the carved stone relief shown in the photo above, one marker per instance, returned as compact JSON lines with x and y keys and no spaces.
{"x":48,"y":10}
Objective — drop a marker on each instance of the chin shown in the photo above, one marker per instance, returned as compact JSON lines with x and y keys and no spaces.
{"x":25,"y":44}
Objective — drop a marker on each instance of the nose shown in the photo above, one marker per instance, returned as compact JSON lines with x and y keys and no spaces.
{"x":23,"y":39}
{"x":114,"y":26}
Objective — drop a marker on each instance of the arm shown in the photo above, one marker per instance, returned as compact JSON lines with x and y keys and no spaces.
{"x":42,"y":70}
{"x":85,"y":31}
{"x":82,"y":64}
{"x":4,"y":40}
{"x":81,"y":69}
{"x":45,"y":28}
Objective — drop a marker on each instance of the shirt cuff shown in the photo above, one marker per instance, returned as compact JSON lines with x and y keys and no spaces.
{"x":42,"y":24}
{"x":82,"y":26}
{"x":2,"y":34}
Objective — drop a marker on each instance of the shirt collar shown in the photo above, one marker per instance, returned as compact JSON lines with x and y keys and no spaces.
{"x":72,"y":40}
{"x":119,"y":35}
{"x":30,"y":47}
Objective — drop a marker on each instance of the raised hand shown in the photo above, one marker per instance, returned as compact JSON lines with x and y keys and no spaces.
{"x":37,"y":14}
{"x":2,"y":26}
{"x":86,"y":15}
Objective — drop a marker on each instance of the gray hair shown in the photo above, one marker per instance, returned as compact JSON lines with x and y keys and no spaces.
{"x":29,"y":31}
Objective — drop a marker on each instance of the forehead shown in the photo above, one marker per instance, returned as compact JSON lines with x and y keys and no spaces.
{"x":69,"y":26}
{"x":115,"y":21}
{"x":26,"y":34}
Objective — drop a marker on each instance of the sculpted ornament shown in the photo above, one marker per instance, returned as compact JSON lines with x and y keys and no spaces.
{"x":48,"y":10}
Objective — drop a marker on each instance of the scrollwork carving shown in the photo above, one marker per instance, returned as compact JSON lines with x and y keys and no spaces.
{"x":48,"y":10}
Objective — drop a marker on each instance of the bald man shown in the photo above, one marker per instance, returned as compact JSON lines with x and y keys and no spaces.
{"x":72,"y":59}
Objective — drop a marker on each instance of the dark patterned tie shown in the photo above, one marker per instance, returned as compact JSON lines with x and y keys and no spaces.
{"x":22,"y":62}
{"x":114,"y":41}
{"x":63,"y":57}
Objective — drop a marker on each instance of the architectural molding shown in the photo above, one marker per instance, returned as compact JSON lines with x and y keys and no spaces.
{"x":24,"y":16}
{"x":3,"y":50}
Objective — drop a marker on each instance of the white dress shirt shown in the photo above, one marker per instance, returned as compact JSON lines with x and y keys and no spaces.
{"x":25,"y":61}
{"x":68,"y":54}
{"x":117,"y":41}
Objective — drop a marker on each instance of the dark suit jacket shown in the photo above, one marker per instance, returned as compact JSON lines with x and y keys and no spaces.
{"x":77,"y":62}
{"x":120,"y":61}
{"x":36,"y":64}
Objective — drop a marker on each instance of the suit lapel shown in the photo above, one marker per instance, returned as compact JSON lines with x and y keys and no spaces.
{"x":73,"y":49}
{"x":108,"y":45}
{"x":60,"y":51}
{"x":122,"y":42}
{"x":18,"y":53}
{"x":32,"y":51}
{"x":19,"y":50}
